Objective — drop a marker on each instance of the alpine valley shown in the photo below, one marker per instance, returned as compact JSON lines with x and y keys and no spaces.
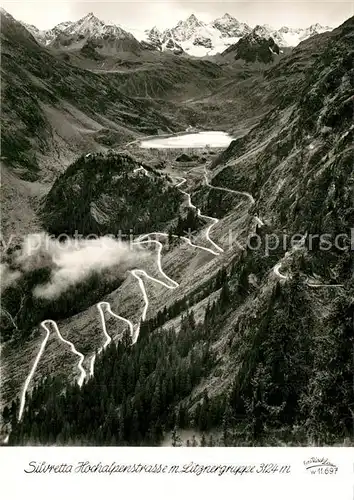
{"x":177,"y":234}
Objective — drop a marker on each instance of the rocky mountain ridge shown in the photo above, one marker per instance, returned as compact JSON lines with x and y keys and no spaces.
{"x":88,"y":28}
{"x":193,"y":36}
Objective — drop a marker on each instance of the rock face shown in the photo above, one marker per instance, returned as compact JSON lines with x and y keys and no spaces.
{"x":253,"y":48}
{"x":203,"y":42}
{"x":170,"y":44}
{"x":267,"y":31}
{"x":184,"y":30}
{"x":154,"y":37}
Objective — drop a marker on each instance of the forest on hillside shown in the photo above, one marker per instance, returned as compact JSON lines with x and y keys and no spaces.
{"x":107,"y":194}
{"x":281,"y":391}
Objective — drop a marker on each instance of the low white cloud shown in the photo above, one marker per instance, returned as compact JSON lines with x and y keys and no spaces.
{"x":74,"y":260}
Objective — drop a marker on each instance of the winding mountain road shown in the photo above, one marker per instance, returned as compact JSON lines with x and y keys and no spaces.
{"x":315,"y":285}
{"x":227,"y":190}
{"x":276,"y":270}
{"x":31,"y":373}
{"x":39,"y":355}
{"x":233,"y":191}
{"x":213,"y":219}
{"x":137,"y":274}
{"x":107,"y":305}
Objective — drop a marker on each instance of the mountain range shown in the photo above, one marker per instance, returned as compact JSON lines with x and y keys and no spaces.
{"x":191,"y":35}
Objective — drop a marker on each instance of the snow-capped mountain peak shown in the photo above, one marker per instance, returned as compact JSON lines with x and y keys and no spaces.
{"x":187,"y":29}
{"x":267,"y":31}
{"x":87,"y":24}
{"x":230,"y":26}
{"x":155,"y":30}
{"x":152,"y":36}
{"x":263,"y":31}
{"x":253,"y":47}
{"x":92,"y":26}
{"x":107,"y":38}
{"x":190,"y":24}
{"x":228,"y":17}
{"x":193,"y":35}
{"x":317,"y":28}
{"x":293,"y":36}
{"x":192,"y":19}
{"x":91,"y":16}
{"x":286,"y":29}
{"x":87,"y":27}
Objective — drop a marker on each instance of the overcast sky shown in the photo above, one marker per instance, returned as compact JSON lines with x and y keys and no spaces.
{"x":165,"y":13}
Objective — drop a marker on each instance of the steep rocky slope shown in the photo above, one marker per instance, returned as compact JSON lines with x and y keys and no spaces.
{"x":253,"y":48}
{"x":256,"y":88}
{"x":309,"y":134}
